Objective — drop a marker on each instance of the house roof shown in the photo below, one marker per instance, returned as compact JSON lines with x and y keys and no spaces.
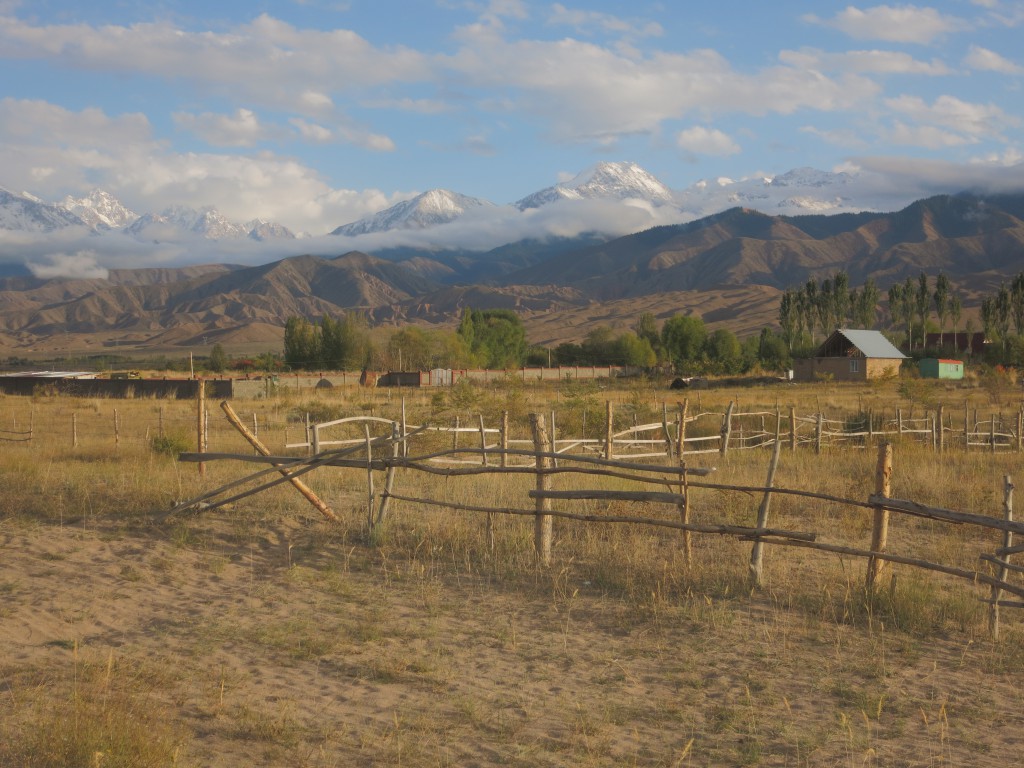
{"x":870,"y":343}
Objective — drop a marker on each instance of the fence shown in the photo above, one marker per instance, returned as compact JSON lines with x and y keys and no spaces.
{"x":676,"y":484}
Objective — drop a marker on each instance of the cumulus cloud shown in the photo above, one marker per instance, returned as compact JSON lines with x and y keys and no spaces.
{"x":983,"y":59}
{"x":267,"y":61}
{"x":241,"y":129}
{"x":948,"y":112}
{"x":706,"y":141}
{"x":895,"y":24}
{"x":861,"y":62}
{"x":585,"y":21}
{"x":80,"y":265}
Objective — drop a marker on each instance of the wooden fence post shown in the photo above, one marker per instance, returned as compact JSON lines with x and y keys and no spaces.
{"x":117,"y":430}
{"x":819,"y":429}
{"x":880,"y":529}
{"x":542,"y":521}
{"x":726,"y":429}
{"x":608,"y":433}
{"x":389,"y":478}
{"x":664,"y":427}
{"x":997,"y":593}
{"x":74,"y":430}
{"x":899,"y":422}
{"x":504,"y":438}
{"x":992,"y":433}
{"x":405,"y":448}
{"x":200,"y":422}
{"x":757,"y":551}
{"x":1020,"y":430}
{"x":483,"y":442}
{"x":792,"y":428}
{"x":942,"y":429}
{"x":369,"y":478}
{"x":681,"y":437}
{"x":684,"y":513}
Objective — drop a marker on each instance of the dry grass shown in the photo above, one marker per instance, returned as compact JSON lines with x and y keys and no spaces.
{"x":261,"y":634}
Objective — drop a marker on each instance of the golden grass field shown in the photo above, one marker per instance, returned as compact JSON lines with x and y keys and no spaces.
{"x":262,"y":634}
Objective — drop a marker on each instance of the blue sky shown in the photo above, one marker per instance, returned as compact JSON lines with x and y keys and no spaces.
{"x":314,"y":113}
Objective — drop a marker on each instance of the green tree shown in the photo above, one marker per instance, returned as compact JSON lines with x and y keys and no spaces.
{"x":683,"y":338}
{"x":1003,"y":311}
{"x":218,"y":359}
{"x":301,"y":343}
{"x":632,"y":351}
{"x":922,"y":300}
{"x":724,"y":352}
{"x":788,"y":316}
{"x":495,"y":337}
{"x":941,"y":298}
{"x":866,"y":307}
{"x":1017,"y":302}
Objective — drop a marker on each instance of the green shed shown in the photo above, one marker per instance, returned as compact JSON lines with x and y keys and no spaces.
{"x":936,"y":368}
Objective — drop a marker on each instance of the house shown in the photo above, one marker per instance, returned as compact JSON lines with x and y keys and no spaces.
{"x":936,"y":368}
{"x":850,"y":355}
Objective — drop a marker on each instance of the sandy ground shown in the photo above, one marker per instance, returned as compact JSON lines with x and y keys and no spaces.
{"x":281,"y":644}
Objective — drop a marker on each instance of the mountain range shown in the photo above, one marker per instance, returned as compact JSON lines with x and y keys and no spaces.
{"x":730,"y":268}
{"x":621,"y":183}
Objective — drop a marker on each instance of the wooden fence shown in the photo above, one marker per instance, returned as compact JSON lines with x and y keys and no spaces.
{"x":673,"y":486}
{"x":680,"y":433}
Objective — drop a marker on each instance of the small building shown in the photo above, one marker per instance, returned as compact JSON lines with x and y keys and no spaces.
{"x":937,"y":368}
{"x":850,"y":355}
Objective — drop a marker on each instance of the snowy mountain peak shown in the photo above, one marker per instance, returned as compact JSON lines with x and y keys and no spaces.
{"x":28,"y":213}
{"x":436,"y":206}
{"x":100,"y":210}
{"x":608,"y":181}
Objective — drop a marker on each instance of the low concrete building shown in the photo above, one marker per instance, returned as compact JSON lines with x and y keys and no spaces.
{"x":937,"y":368}
{"x":850,"y":355}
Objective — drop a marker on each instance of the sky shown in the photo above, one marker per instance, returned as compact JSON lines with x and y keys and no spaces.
{"x":315,"y":113}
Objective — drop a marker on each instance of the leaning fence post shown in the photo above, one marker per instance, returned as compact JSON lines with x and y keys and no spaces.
{"x":997,"y":593}
{"x":684,"y":512}
{"x":542,"y":521}
{"x":200,"y":422}
{"x":792,"y":428}
{"x":74,"y":430}
{"x":664,"y":427}
{"x":726,"y":429}
{"x":681,"y":437}
{"x":483,"y":442}
{"x":757,"y":551}
{"x":609,"y":416}
{"x":504,"y":438}
{"x":389,"y":478}
{"x":880,"y":529}
{"x":369,"y":478}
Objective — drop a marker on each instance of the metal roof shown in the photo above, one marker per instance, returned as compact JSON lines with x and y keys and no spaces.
{"x":871,"y":343}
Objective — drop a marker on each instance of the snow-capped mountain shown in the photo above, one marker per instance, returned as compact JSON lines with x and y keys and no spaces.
{"x":438,"y":206}
{"x":606,"y":181}
{"x":261,"y":229}
{"x":100,"y":210}
{"x":800,"y":191}
{"x":28,"y":213}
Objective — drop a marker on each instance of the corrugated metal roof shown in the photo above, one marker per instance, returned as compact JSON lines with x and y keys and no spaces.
{"x":871,"y":343}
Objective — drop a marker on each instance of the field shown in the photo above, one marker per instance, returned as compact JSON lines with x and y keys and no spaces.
{"x":260,"y":633}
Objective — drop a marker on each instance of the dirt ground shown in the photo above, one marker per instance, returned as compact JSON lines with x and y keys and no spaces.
{"x":280,"y":643}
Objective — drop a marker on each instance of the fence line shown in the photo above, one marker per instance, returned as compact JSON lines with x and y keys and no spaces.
{"x":390,"y":454}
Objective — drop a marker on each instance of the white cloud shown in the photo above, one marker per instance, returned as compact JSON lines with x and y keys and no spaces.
{"x":265,"y":62}
{"x":706,"y":141}
{"x":311,"y":131}
{"x":989,"y":61}
{"x":242,"y":129}
{"x":949,"y":112}
{"x":81,"y":265}
{"x":895,"y":24}
{"x":583,"y":21}
{"x":873,"y":62}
